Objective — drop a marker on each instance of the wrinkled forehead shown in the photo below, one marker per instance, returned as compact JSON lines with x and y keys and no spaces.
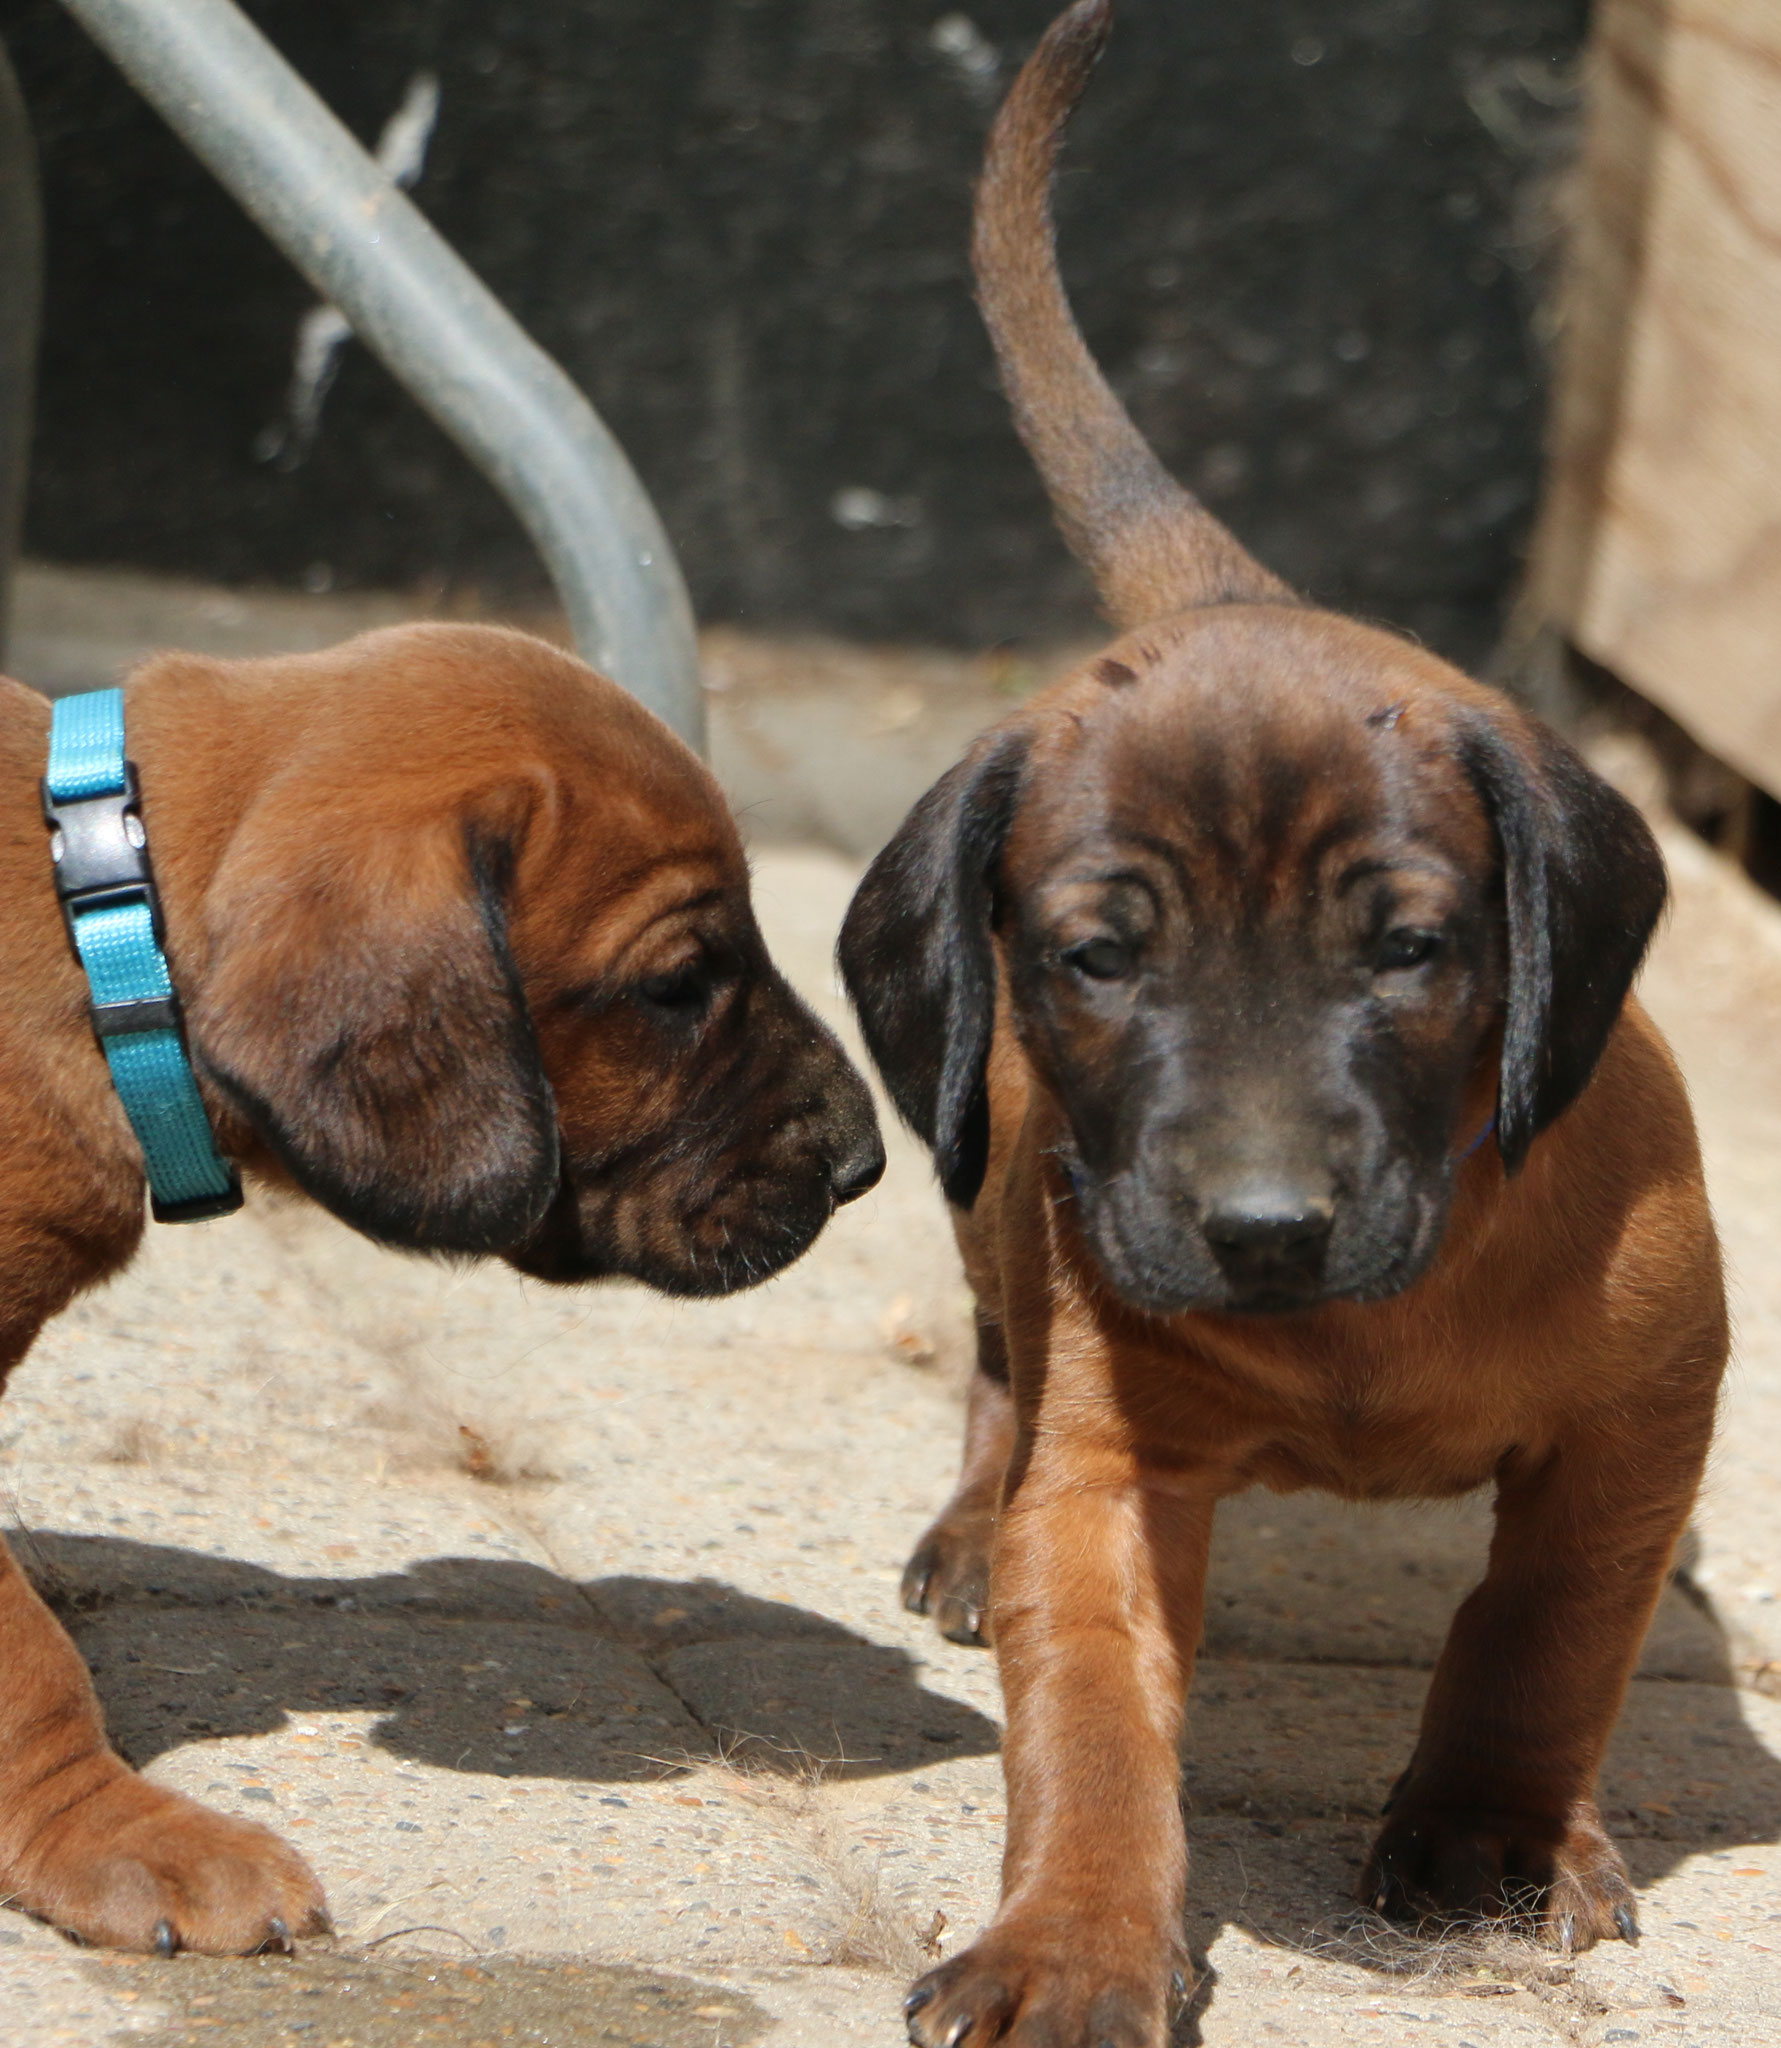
{"x":1254,"y":770}
{"x":616,"y":849}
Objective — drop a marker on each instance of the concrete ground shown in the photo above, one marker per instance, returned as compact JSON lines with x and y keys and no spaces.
{"x":560,"y":1630}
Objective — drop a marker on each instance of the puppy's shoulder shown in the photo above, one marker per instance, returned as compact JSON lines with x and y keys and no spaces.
{"x":1635,"y":1112}
{"x":1619,"y":1195}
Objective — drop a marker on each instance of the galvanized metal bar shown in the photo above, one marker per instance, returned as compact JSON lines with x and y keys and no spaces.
{"x":412,"y":300}
{"x":21,"y":298}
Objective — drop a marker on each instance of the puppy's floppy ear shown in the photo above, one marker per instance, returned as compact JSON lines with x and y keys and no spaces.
{"x":918,"y":961}
{"x":362,"y":1010}
{"x":1584,"y":884}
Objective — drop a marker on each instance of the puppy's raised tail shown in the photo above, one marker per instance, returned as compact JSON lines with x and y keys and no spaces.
{"x":1151,"y":547}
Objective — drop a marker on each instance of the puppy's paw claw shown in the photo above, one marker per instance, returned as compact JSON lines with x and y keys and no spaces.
{"x":918,"y":1576}
{"x":948,"y":1575}
{"x":1042,"y":1991}
{"x":137,"y":1867}
{"x":963,"y":1621}
{"x":1438,"y":1863}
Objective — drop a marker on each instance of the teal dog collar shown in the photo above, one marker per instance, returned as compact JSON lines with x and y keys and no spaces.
{"x":107,"y":893}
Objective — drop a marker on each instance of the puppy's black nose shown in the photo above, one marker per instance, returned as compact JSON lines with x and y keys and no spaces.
{"x":1267,"y":1234}
{"x":859,"y":1169}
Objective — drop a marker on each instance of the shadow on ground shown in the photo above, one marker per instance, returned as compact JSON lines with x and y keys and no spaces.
{"x":491,"y":1666}
{"x":501,"y":1667}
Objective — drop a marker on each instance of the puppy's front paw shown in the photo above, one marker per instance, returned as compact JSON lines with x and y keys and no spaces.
{"x":1561,"y":1877}
{"x":1054,"y":1991}
{"x":136,"y":1867}
{"x":947,"y":1575}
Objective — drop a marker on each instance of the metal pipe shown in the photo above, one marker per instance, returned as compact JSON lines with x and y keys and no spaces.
{"x":223,"y":88}
{"x":21,"y":298}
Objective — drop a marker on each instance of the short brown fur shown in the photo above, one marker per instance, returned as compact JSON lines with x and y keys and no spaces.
{"x":1564,"y":1341}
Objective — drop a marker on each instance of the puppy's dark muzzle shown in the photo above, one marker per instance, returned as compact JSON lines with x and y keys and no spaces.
{"x":1269,"y":1244}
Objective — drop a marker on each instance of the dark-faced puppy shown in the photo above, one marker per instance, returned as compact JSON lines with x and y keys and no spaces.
{"x":465,"y":946}
{"x":1262,"y":992}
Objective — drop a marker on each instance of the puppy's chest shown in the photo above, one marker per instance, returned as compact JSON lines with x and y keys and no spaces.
{"x":1396,"y":1459}
{"x":1361,"y":1430}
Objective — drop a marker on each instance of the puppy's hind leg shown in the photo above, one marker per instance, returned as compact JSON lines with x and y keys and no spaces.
{"x":99,"y":1852}
{"x":947,"y":1576}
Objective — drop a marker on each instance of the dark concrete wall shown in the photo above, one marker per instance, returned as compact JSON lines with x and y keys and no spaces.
{"x":1302,"y":234}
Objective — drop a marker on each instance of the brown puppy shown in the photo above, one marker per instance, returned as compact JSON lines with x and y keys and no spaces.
{"x":1261,"y":990}
{"x":465,"y":945}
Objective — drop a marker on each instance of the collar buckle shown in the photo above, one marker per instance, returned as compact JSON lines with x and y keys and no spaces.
{"x":100,"y":851}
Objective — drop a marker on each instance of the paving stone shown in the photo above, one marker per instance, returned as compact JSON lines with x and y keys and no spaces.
{"x":211,"y":1538}
{"x":503,"y":1697}
{"x":49,"y":1999}
{"x":700,"y":1867}
{"x":852,"y":1709}
{"x":927,"y":1843}
{"x":393,"y":2002}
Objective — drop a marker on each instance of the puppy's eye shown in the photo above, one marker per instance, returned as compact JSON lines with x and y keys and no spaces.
{"x":1406,"y":946}
{"x":1100,"y":959}
{"x":682,"y":991}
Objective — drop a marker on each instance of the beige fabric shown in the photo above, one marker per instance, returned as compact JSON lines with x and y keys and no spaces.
{"x":1661,"y":546}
